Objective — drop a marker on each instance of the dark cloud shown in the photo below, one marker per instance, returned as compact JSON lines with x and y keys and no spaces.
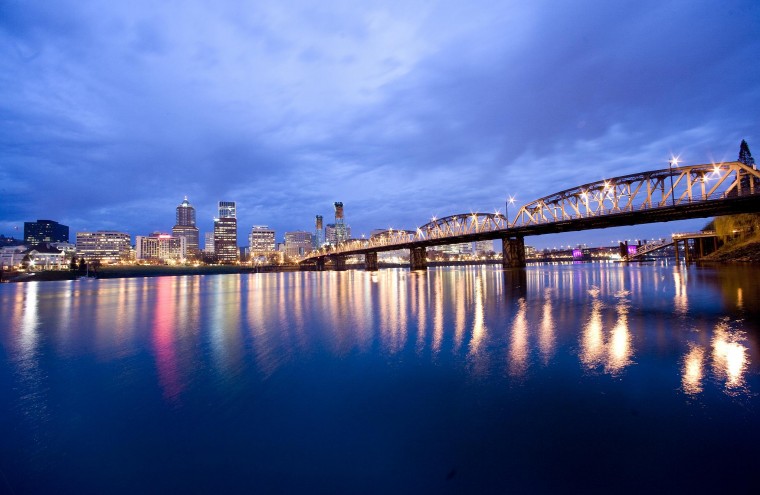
{"x":110,"y":114}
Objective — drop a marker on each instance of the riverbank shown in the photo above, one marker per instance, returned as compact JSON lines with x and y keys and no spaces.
{"x":747,"y":251}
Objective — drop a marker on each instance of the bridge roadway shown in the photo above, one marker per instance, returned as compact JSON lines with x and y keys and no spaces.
{"x":664,"y":195}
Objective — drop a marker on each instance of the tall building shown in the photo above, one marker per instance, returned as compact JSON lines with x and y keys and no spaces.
{"x":340,"y":225}
{"x":225,"y":240}
{"x":185,"y":227}
{"x":104,"y":245}
{"x":261,"y":241}
{"x":208,"y":245}
{"x":45,"y":231}
{"x":161,"y":247}
{"x":227,"y":209}
{"x":331,"y":233}
{"x":319,"y":232}
{"x":298,"y":243}
{"x":225,"y":233}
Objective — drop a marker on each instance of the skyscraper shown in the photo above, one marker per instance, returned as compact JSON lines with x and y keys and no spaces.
{"x":261,"y":241}
{"x":340,"y":225}
{"x":319,"y":232}
{"x":45,"y":231}
{"x":185,"y":227}
{"x":225,"y":233}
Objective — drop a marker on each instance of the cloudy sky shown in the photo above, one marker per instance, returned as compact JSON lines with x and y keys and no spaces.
{"x":111,"y":112}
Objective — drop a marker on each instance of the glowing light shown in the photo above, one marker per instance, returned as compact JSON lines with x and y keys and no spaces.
{"x":692,"y":371}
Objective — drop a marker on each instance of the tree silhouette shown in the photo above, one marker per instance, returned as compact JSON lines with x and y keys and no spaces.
{"x":745,"y":157}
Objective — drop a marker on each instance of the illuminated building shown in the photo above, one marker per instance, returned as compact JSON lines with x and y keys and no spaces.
{"x":341,"y":233}
{"x":261,"y":241}
{"x":185,"y":227}
{"x":225,"y":240}
{"x":331,"y":233}
{"x":227,"y":209}
{"x":208,"y":245}
{"x":161,"y":247}
{"x":319,"y":232}
{"x":105,"y":246}
{"x":298,"y":243}
{"x":45,"y":231}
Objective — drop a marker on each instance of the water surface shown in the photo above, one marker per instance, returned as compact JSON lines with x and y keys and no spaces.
{"x":557,"y":378}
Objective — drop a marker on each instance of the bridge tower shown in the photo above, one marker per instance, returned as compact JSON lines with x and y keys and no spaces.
{"x":513,"y":251}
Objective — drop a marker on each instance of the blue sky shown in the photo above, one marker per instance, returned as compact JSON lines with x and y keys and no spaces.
{"x":111,"y":112}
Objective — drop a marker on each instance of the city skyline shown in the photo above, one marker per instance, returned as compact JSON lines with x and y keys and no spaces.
{"x":403,"y":111}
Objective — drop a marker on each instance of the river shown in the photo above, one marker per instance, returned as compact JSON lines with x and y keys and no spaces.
{"x":557,"y":378}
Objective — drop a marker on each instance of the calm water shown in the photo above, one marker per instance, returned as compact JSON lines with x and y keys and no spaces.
{"x":459,"y":380}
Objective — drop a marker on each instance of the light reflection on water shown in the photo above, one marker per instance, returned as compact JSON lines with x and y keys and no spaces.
{"x":678,"y":335}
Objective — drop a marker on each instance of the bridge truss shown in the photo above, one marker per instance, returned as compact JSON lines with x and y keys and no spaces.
{"x":667,"y":191}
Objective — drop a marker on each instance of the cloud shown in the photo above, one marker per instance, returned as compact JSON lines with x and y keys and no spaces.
{"x":402,"y":110}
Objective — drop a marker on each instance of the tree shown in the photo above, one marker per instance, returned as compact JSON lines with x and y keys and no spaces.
{"x":82,"y":264}
{"x":747,"y":181}
{"x":73,"y":263}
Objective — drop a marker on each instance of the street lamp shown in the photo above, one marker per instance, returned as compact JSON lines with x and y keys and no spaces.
{"x":510,"y":201}
{"x":673,"y":161}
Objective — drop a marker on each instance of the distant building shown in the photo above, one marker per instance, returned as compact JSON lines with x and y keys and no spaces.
{"x":341,"y":234}
{"x":261,"y":241}
{"x":319,"y":232}
{"x":332,"y":233}
{"x":225,"y":240}
{"x":45,"y":231}
{"x":227,"y":209}
{"x":208,"y":245}
{"x":161,"y":247}
{"x":104,"y":245}
{"x":185,"y":227}
{"x":45,"y":256}
{"x":11,"y":256}
{"x":298,"y":243}
{"x":483,"y":247}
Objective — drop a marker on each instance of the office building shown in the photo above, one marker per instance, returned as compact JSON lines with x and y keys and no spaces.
{"x":208,"y":245}
{"x":45,"y":231}
{"x":104,"y":245}
{"x":227,"y":209}
{"x":185,"y":227}
{"x":319,"y":232}
{"x":341,"y":233}
{"x":261,"y":241}
{"x":298,"y":243}
{"x":332,"y":235}
{"x":225,"y":240}
{"x":161,"y":247}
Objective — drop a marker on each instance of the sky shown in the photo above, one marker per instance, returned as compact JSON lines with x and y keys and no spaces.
{"x":112,"y":112}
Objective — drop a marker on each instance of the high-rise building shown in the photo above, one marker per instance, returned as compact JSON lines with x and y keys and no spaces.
{"x":185,"y":227}
{"x":227,"y":209}
{"x":225,"y":233}
{"x":208,"y":245}
{"x":104,"y":245}
{"x":319,"y":232}
{"x":331,"y":233}
{"x":340,"y":225}
{"x":45,"y":231}
{"x":261,"y":241}
{"x":225,"y":240}
{"x":298,"y":243}
{"x":161,"y":247}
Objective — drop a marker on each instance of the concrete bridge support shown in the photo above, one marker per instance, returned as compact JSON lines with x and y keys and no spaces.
{"x":418,"y":258}
{"x":513,"y":252}
{"x":339,"y":263}
{"x":320,"y":264}
{"x":370,"y":262}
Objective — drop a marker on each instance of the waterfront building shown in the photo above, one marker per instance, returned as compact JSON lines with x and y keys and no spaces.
{"x":45,"y":231}
{"x":12,"y":256}
{"x":208,"y":245}
{"x":161,"y":247}
{"x":261,"y":241}
{"x":185,"y":227}
{"x":341,"y":233}
{"x":483,"y":247}
{"x":45,"y":256}
{"x":319,"y":232}
{"x":332,"y":235}
{"x":298,"y":243}
{"x":225,"y":240}
{"x":106,"y":246}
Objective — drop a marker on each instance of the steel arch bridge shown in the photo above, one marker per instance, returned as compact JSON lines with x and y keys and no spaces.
{"x":661,"y":195}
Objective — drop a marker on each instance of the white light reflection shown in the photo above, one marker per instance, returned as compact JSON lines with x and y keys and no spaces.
{"x":692,"y":372}
{"x":729,"y":357}
{"x":592,"y":338}
{"x":518,"y":344}
{"x":680,"y":300}
{"x":546,"y":337}
{"x":619,"y":352}
{"x":478,"y":324}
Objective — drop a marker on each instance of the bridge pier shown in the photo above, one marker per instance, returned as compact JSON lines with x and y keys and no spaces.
{"x":513,"y":252}
{"x":418,"y":258}
{"x":370,"y":262}
{"x":339,"y":263}
{"x":320,"y":264}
